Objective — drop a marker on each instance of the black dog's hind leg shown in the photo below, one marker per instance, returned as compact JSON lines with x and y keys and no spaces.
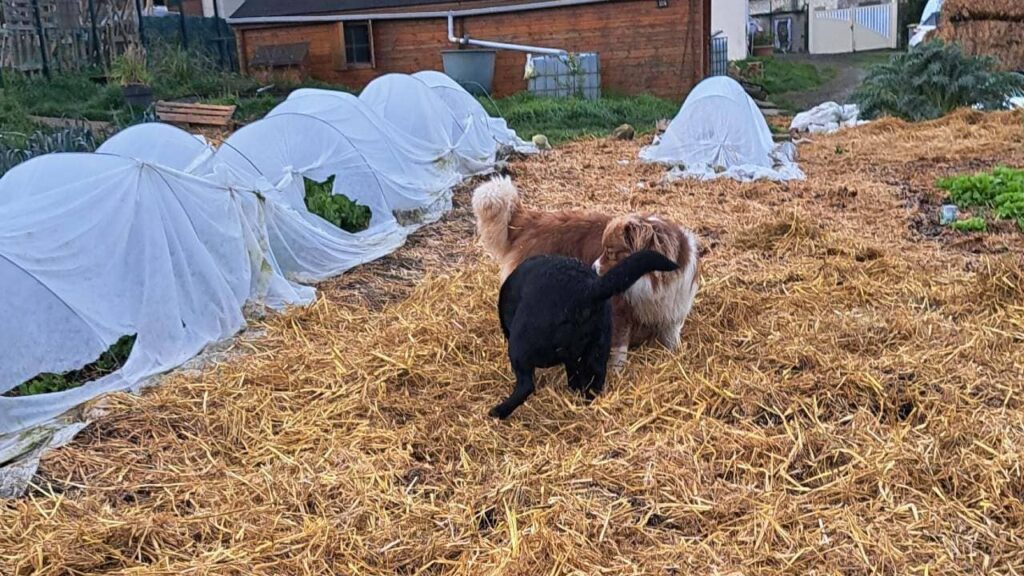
{"x":524,"y":387}
{"x":587,"y":375}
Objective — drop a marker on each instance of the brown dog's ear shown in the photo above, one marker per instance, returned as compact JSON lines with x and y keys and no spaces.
{"x":639,"y":234}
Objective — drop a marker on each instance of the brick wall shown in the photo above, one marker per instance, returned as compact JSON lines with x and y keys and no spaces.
{"x":192,"y":7}
{"x":643,"y":48}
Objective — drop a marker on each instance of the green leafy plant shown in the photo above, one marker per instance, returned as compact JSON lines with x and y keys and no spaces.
{"x":976,"y":224}
{"x":17,"y":148}
{"x":1001,"y":191}
{"x":932,"y":80}
{"x":130,"y":68}
{"x":335,"y":208}
{"x":110,"y":361}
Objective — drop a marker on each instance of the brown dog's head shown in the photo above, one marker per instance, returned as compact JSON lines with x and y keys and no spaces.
{"x":627,"y":235}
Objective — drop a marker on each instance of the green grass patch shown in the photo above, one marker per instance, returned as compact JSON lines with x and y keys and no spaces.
{"x":335,"y":208}
{"x":175,"y":74}
{"x":1001,"y":191}
{"x":65,"y":96}
{"x":781,"y":75}
{"x":564,"y":119}
{"x":975,"y":224}
{"x":110,"y":361}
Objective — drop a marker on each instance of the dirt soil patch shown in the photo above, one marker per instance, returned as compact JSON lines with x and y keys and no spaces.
{"x":848,"y":400}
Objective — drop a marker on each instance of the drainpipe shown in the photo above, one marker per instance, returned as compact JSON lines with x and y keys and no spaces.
{"x":466,"y":40}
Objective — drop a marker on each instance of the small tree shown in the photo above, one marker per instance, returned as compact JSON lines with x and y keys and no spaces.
{"x":932,"y":80}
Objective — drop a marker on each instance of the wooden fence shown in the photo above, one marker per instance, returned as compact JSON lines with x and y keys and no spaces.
{"x":54,"y":35}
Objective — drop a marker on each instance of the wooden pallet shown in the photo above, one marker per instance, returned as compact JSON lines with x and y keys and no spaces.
{"x":194,"y":114}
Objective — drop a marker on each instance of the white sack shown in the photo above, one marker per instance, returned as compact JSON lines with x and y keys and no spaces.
{"x":827,"y":118}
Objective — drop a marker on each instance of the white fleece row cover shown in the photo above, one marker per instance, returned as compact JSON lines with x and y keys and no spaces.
{"x":720,"y":133}
{"x":161,"y":236}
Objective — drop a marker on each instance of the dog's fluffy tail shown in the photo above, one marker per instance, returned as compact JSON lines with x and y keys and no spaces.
{"x":626,"y":273}
{"x":494,"y":203}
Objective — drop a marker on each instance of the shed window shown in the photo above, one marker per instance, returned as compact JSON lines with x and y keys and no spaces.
{"x":358,"y":43}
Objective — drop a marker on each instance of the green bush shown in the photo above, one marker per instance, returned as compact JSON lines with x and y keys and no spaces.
{"x":110,"y":361}
{"x":335,"y":208}
{"x":1001,"y":191}
{"x":976,"y":224}
{"x":932,"y":80}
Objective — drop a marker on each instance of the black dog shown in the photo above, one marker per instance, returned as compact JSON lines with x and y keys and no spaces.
{"x":556,"y":310}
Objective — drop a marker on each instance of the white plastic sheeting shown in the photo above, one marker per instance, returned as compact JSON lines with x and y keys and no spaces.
{"x":94,"y":247}
{"x":388,"y":148}
{"x":827,"y":118}
{"x":159,"y":236}
{"x":464,"y":105}
{"x":410,"y":104}
{"x":275,"y":155}
{"x":160,"y":144}
{"x":720,"y":132}
{"x":929,"y":22}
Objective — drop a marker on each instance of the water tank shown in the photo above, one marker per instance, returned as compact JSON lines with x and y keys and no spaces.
{"x":576,"y":75}
{"x":473,"y":69}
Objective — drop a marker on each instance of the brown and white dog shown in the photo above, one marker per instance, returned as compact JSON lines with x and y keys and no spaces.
{"x":655,"y":307}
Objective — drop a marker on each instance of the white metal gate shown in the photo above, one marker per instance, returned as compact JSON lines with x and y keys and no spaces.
{"x":868,"y":25}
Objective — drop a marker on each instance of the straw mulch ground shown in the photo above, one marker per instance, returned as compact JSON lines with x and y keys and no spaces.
{"x":848,"y":400}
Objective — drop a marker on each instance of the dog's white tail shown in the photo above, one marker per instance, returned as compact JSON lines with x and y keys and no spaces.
{"x":494,"y":203}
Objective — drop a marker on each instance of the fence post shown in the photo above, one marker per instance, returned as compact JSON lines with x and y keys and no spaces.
{"x":217,"y":34}
{"x":142,"y":27}
{"x":184,"y":27}
{"x":94,"y":33}
{"x":42,"y":39}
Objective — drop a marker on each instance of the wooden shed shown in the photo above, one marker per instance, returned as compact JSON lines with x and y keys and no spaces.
{"x":644,"y":46}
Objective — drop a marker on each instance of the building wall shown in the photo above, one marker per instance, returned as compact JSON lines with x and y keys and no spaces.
{"x":642,"y":48}
{"x":799,"y":28}
{"x":225,"y":7}
{"x":730,"y":16}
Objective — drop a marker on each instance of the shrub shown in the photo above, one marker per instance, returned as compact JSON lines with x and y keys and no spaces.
{"x":976,"y":224}
{"x":335,"y":208}
{"x":130,"y":68}
{"x":1001,"y":191}
{"x":110,"y":361}
{"x":932,"y":80}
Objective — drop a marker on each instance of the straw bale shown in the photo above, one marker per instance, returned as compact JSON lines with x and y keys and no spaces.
{"x":847,"y":400}
{"x":1009,"y":10}
{"x":1000,"y":39}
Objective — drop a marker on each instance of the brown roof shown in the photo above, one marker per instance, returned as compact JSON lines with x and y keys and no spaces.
{"x":271,"y":8}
